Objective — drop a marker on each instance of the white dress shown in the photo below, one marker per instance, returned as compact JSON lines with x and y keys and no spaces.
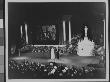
{"x":52,"y":54}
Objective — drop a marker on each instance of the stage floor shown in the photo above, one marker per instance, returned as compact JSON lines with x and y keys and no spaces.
{"x":69,"y":60}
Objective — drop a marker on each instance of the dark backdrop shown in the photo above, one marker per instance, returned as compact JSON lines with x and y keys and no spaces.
{"x":83,"y":13}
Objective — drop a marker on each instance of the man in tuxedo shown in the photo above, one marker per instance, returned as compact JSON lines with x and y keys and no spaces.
{"x":57,"y":53}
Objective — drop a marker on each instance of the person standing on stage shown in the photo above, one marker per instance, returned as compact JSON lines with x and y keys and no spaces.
{"x":57,"y":53}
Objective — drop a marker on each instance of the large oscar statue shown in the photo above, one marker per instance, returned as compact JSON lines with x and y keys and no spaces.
{"x":85,"y":47}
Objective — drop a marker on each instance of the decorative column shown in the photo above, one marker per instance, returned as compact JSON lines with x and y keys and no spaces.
{"x":69,"y":31}
{"x":19,"y":52}
{"x":26,"y":33}
{"x":64,"y":31}
{"x":21,"y":29}
{"x":104,"y":33}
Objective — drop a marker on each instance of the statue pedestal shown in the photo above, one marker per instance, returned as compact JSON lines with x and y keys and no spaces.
{"x":85,"y":47}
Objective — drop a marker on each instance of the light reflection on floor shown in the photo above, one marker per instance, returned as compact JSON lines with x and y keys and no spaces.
{"x":70,"y":60}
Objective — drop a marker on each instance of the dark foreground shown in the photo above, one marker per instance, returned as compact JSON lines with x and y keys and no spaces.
{"x":30,"y":66}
